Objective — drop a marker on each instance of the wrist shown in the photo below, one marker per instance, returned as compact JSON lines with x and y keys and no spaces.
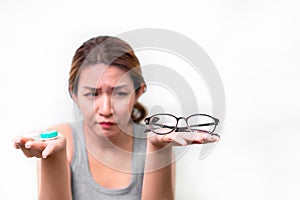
{"x":158,"y":157}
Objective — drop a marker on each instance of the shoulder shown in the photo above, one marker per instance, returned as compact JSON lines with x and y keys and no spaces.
{"x":66,"y":130}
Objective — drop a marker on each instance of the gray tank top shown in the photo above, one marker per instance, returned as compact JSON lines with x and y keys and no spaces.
{"x":84,"y":187}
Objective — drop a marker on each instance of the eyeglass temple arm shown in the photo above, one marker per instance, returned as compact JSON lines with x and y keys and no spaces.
{"x":195,"y":125}
{"x":207,"y":124}
{"x":161,"y":125}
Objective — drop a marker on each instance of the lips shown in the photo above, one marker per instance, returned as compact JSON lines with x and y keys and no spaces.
{"x":106,"y":124}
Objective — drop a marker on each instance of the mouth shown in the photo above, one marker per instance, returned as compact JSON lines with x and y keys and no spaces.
{"x":107,"y":125}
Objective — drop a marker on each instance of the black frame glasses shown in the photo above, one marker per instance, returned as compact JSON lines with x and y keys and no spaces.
{"x":152,"y":124}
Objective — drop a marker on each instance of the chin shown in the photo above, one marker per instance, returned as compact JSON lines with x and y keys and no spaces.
{"x":108,"y":132}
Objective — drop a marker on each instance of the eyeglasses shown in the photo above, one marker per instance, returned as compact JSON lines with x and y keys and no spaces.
{"x":163,"y":123}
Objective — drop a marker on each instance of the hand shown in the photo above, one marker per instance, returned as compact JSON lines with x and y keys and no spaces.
{"x":40,"y":148}
{"x":182,"y":138}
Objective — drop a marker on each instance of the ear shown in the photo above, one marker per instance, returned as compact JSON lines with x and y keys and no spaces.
{"x":141,"y":90}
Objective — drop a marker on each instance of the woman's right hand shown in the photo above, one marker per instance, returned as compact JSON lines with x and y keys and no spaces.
{"x":40,"y":148}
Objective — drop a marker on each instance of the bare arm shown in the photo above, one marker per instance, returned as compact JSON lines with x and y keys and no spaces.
{"x":54,"y":171}
{"x":159,"y":177}
{"x":54,"y":177}
{"x":53,"y":166}
{"x":159,"y":174}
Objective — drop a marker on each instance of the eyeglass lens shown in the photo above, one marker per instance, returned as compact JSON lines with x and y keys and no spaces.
{"x":162,"y":123}
{"x":201,"y":123}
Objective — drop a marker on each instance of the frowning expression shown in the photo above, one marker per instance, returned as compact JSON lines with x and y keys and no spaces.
{"x":106,"y":96}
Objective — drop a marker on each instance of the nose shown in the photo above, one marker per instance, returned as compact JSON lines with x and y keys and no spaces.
{"x":104,"y":106}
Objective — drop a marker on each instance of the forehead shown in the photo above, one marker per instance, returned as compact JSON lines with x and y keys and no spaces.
{"x":102,"y":75}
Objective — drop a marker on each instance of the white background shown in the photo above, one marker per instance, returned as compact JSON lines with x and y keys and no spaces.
{"x":254,"y":45}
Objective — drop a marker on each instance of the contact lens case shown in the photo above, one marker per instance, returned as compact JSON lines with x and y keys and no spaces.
{"x":46,"y":135}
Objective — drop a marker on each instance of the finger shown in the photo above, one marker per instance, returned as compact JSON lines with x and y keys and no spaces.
{"x":215,"y":138}
{"x":35,"y":145}
{"x":197,"y":137}
{"x":15,"y":144}
{"x":23,"y":140}
{"x":48,"y":150}
{"x":36,"y":149}
{"x":36,"y":153}
{"x":180,"y":141}
{"x":33,"y":148}
{"x":163,"y":140}
{"x":26,"y":151}
{"x":211,"y":138}
{"x":157,"y":140}
{"x":176,"y":138}
{"x":188,"y":136}
{"x":206,"y":138}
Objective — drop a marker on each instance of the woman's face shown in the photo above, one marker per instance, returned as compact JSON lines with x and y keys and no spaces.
{"x":106,"y":96}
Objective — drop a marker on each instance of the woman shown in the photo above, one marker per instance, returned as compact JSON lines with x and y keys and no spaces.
{"x":103,"y":156}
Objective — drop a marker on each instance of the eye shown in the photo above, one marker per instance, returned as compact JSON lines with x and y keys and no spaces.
{"x":91,"y":94}
{"x":120,"y":94}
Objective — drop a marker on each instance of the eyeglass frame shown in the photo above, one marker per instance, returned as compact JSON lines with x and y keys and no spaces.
{"x":181,"y":129}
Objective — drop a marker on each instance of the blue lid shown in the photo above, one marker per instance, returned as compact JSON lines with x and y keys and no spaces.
{"x":48,"y":134}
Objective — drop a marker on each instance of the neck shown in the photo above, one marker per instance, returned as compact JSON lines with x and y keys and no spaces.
{"x":114,"y":151}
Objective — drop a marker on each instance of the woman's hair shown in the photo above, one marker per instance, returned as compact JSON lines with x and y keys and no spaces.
{"x":109,"y":51}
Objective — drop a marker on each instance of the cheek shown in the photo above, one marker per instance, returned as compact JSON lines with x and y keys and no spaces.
{"x":86,"y":107}
{"x":124,"y":106}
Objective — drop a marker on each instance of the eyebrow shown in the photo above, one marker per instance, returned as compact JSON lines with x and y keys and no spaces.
{"x":112,"y":88}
